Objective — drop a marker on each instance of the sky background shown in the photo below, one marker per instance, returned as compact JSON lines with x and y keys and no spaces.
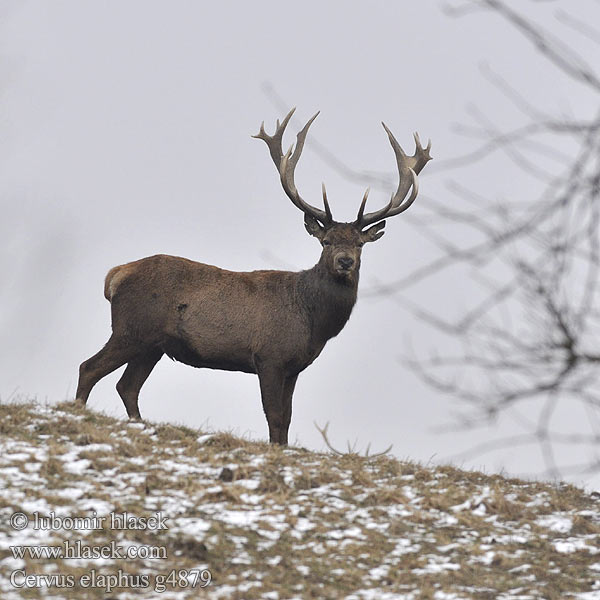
{"x":126,"y":131}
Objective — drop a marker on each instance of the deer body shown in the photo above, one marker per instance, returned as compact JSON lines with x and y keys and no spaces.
{"x":271,"y":323}
{"x":205,"y":316}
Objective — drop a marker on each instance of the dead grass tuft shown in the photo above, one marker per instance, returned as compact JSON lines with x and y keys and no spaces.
{"x":361,"y":477}
{"x":52,"y":469}
{"x":389,"y":495}
{"x":223,"y":441}
{"x":272,"y":480}
{"x":499,"y":505}
{"x":584,"y":525}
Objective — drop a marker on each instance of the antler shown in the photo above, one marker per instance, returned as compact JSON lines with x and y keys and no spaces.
{"x":286,"y":165}
{"x":351,"y":449}
{"x":408,"y":168}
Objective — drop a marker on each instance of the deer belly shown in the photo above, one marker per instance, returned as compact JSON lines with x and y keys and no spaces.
{"x":209,"y":357}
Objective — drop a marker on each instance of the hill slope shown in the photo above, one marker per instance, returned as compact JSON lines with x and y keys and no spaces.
{"x":267,"y":522}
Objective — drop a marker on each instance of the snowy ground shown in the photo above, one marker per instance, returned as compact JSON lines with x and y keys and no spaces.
{"x":272,"y":523}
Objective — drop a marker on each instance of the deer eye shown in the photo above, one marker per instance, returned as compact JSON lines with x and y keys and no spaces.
{"x":326,"y":243}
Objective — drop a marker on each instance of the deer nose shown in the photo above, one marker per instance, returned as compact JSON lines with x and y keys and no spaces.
{"x":345,"y":262}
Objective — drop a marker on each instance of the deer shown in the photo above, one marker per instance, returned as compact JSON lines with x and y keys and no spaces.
{"x":270,"y":323}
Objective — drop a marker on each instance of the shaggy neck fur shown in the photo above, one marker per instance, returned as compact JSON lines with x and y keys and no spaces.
{"x":329,"y":300}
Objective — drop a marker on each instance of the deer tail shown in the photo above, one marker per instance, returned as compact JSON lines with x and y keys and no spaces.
{"x":111,"y":282}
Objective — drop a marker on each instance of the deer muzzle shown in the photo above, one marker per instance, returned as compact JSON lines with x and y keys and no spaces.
{"x":344,"y":263}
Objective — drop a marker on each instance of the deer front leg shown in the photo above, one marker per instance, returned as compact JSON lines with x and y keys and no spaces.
{"x":271,"y":390}
{"x":286,"y":403}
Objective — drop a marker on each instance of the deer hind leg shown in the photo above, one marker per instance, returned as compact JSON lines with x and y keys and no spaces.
{"x":271,"y":391}
{"x":133,"y":379}
{"x":114,"y":354}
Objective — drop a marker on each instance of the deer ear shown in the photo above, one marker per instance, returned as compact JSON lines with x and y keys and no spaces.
{"x":373,"y":233}
{"x":313,"y":226}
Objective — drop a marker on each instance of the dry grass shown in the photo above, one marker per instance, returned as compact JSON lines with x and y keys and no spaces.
{"x":268,"y":520}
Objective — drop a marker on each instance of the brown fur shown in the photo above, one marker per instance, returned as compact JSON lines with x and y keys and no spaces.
{"x":272,"y":323}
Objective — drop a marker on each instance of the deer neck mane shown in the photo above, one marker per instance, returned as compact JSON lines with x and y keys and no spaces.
{"x":329,"y":300}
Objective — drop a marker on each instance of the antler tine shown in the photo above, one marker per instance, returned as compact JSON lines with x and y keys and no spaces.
{"x":287,"y":170}
{"x":377,"y":454}
{"x":323,"y":432}
{"x":361,"y":210}
{"x":351,"y":449}
{"x":408,"y":168}
{"x":325,"y":203}
{"x":274,"y":141}
{"x":286,"y":165}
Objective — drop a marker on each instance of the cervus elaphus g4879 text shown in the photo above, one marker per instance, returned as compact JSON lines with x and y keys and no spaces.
{"x":272,"y":323}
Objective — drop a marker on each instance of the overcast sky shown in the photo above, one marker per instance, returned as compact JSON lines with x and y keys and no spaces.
{"x":126,"y":131}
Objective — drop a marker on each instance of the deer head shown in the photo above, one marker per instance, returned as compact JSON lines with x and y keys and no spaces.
{"x":342,"y":242}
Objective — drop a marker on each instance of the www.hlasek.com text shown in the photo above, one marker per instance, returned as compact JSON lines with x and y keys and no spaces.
{"x":78,"y":550}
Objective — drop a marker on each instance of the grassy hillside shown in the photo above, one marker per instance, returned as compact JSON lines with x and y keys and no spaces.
{"x":267,"y":522}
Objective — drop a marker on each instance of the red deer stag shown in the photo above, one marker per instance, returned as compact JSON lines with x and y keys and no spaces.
{"x":272,"y":323}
